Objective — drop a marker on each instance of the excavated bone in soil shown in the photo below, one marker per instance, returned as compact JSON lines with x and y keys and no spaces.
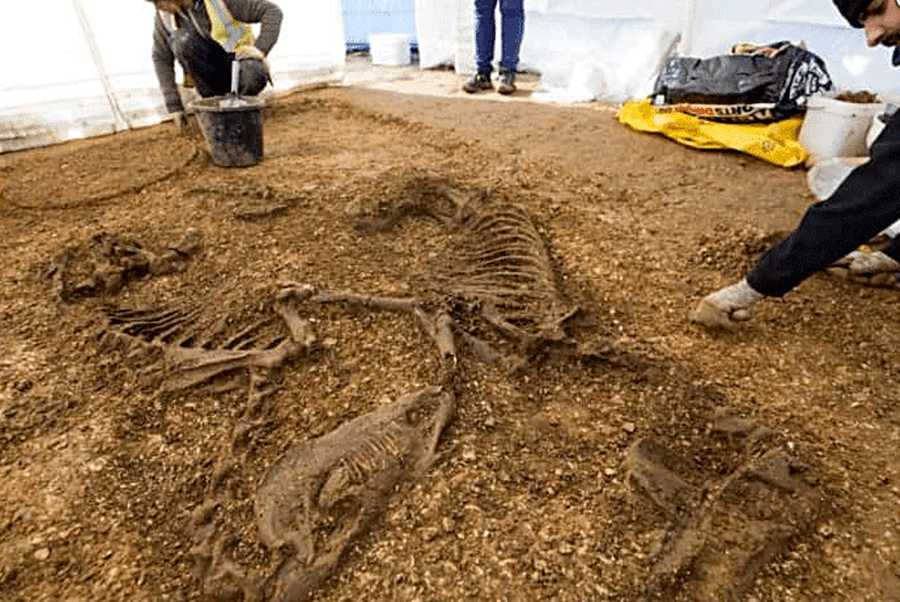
{"x":322,"y":494}
{"x":723,"y":531}
{"x":190,"y":358}
{"x":503,"y":262}
{"x":108,"y":262}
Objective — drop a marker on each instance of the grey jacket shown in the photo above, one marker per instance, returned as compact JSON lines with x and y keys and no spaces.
{"x":267,"y":14}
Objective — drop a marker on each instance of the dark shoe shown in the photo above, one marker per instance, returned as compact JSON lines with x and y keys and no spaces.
{"x":481,"y":81}
{"x":506,"y":83}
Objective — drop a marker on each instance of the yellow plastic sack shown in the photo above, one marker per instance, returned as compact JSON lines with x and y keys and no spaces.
{"x":775,"y":142}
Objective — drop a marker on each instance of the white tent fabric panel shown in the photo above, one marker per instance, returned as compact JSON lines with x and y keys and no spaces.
{"x":365,"y":17}
{"x":64,"y":60}
{"x":601,"y":9}
{"x":436,"y":23}
{"x":311,"y":44}
{"x":623,"y":45}
{"x":563,"y":50}
{"x":618,"y":42}
{"x":813,"y":12}
{"x":94,"y":74}
{"x":121,"y":56}
{"x":851,"y":64}
{"x":50,"y":95}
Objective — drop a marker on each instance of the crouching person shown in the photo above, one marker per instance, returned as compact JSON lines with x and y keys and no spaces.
{"x":206,"y":36}
{"x":866,"y":203}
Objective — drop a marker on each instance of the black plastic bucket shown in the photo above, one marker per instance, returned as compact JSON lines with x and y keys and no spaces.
{"x":233,"y":129}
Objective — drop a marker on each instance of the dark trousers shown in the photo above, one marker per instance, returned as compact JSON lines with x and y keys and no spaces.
{"x":866,"y":202}
{"x":210,"y":65}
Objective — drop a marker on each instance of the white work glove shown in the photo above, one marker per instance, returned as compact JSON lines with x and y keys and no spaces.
{"x":727,"y":306}
{"x":871,"y":263}
{"x":249,"y":51}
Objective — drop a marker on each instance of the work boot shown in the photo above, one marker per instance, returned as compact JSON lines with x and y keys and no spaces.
{"x":506,"y":83}
{"x":480,"y":81}
{"x":727,"y":306}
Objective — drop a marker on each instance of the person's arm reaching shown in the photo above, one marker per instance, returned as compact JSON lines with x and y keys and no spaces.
{"x":267,"y":14}
{"x":164,"y":65}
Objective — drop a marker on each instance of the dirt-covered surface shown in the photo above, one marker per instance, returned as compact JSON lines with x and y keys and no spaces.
{"x":639,"y":458}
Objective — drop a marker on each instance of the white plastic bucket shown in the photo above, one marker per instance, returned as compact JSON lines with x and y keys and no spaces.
{"x":390,"y":49}
{"x":874,"y":129}
{"x":835,"y":128}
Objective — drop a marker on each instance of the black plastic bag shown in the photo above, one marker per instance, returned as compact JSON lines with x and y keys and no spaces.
{"x":757,"y":83}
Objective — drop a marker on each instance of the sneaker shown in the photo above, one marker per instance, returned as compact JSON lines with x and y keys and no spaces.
{"x":506,"y":83}
{"x":481,"y":81}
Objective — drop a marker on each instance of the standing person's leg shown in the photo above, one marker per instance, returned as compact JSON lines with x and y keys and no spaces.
{"x":485,"y":35}
{"x":512,"y":26}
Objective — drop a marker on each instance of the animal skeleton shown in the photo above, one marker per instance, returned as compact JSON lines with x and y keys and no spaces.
{"x":108,"y":261}
{"x":322,"y":494}
{"x":190,"y":355}
{"x":717,"y":546}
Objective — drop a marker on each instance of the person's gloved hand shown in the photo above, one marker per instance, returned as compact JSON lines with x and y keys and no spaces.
{"x":249,"y":51}
{"x":871,"y":263}
{"x":726,"y":307}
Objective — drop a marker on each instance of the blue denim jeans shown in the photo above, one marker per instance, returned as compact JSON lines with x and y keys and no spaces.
{"x":512,"y":25}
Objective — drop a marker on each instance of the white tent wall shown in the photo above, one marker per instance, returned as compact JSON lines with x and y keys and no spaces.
{"x":621,"y":44}
{"x":365,"y":17}
{"x":311,"y":45}
{"x":624,"y":43}
{"x":436,"y":31}
{"x":599,"y":50}
{"x":93,"y":72}
{"x":55,"y":93}
{"x":94,"y":75}
{"x":852,"y":65}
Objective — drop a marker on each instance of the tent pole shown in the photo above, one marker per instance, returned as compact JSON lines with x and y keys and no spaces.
{"x":121,"y":121}
{"x":687,"y":36}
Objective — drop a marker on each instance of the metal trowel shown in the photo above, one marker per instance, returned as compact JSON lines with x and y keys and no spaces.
{"x":233,"y":99}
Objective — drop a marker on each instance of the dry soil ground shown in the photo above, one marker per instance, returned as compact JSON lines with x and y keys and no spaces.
{"x":644,"y":459}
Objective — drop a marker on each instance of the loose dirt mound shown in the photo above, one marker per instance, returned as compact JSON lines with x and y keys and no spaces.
{"x":601,"y":447}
